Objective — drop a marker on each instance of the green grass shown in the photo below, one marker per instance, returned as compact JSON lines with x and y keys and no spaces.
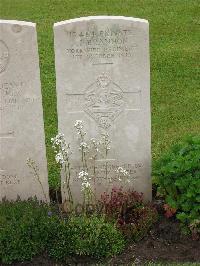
{"x":174,"y":37}
{"x":170,"y":264}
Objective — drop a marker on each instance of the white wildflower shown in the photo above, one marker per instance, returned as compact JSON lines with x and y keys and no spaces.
{"x":123,"y":173}
{"x":105,"y":141}
{"x":79,"y":127}
{"x":84,"y":146}
{"x":78,"y":124}
{"x":61,"y":149}
{"x":85,"y":185}
{"x":85,"y":178}
{"x":95,"y":144}
{"x":59,"y":158}
{"x":121,"y":170}
{"x":82,"y":174}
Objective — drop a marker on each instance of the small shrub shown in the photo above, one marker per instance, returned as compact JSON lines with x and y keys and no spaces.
{"x":138,"y":222}
{"x":127,"y":210}
{"x":83,"y":235}
{"x":24,"y":228}
{"x":178,"y":177}
{"x":29,"y":228}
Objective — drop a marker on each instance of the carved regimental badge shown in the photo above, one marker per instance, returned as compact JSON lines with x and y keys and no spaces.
{"x":104,"y":101}
{"x":4,"y":56}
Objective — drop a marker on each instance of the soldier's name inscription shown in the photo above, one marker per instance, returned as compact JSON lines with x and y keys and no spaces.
{"x":107,"y":43}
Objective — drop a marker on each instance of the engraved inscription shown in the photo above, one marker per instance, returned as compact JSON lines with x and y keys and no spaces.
{"x":9,"y":179}
{"x":4,"y":56}
{"x":13,"y":95}
{"x":109,"y":43}
{"x":110,"y":168}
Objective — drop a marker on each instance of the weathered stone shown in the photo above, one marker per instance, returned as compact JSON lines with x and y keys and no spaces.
{"x":103,"y":78}
{"x":21,"y":124}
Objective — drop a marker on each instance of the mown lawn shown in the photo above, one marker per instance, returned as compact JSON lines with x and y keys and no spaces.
{"x":174,"y":46}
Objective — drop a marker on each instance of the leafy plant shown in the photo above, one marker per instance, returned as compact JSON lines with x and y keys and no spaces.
{"x":24,"y":228}
{"x":127,"y":210}
{"x":178,"y":177}
{"x":118,"y":201}
{"x":84,"y":235}
{"x":138,"y":222}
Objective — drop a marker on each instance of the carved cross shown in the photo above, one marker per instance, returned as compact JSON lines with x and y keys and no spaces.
{"x":104,"y":116}
{"x":6,"y":135}
{"x":3,"y":135}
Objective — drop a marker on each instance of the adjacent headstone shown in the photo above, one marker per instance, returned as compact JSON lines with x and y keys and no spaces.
{"x":103,"y":78}
{"x":21,"y":114}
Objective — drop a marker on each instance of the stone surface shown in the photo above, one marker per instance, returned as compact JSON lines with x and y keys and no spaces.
{"x":21,"y":114}
{"x":103,"y":78}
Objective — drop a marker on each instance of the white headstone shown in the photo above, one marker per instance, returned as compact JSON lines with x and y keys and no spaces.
{"x":103,"y":78}
{"x":21,"y":114}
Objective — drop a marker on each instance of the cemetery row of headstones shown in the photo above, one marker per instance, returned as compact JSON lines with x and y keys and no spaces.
{"x":102,"y":78}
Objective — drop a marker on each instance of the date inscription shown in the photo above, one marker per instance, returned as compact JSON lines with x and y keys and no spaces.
{"x":106,"y":171}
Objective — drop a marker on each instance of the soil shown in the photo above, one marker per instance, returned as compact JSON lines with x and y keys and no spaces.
{"x":163,"y":244}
